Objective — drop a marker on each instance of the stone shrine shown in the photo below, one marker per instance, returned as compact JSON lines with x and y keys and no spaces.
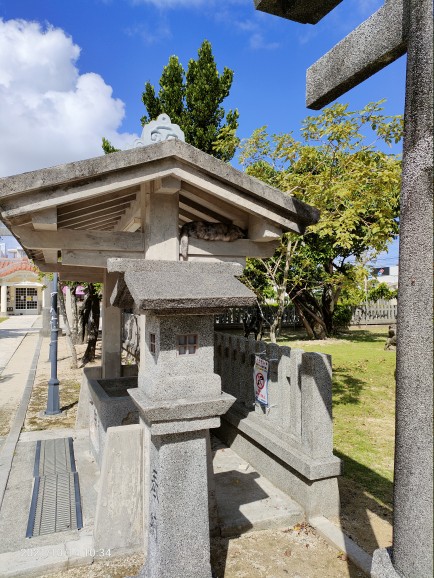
{"x":116,"y":219}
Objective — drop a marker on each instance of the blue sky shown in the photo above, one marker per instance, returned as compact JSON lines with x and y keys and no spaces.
{"x":72,"y":71}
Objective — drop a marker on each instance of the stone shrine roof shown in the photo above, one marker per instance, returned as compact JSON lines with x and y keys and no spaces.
{"x":71,"y":218}
{"x":173,"y":287}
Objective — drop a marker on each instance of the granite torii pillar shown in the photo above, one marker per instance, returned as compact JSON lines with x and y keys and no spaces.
{"x":399,"y":26}
{"x":179,"y":398}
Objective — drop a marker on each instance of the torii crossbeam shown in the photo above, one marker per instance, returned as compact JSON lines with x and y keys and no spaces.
{"x":399,"y":26}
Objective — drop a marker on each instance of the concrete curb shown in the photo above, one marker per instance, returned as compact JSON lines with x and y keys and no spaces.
{"x":47,"y":559}
{"x":338,"y":539}
{"x":33,"y":562}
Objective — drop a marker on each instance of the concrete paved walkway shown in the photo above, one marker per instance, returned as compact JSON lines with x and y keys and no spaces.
{"x":19,"y":346}
{"x":12,"y":332}
{"x":18,"y":339}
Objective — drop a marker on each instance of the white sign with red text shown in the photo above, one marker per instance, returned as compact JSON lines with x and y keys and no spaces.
{"x":260,"y":380}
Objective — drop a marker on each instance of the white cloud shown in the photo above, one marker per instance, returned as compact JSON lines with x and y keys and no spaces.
{"x":306,"y":35}
{"x":258,"y":42}
{"x":49,"y":112}
{"x":247,"y":25}
{"x":150,"y":34}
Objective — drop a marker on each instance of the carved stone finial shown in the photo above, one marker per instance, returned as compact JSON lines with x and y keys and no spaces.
{"x":158,"y":131}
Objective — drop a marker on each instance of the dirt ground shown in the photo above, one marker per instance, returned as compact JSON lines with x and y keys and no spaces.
{"x":287,"y":553}
{"x":69,"y":388}
{"x":294,"y":553}
{"x":362,"y":518}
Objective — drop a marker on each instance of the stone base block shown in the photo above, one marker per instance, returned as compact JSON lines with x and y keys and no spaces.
{"x":89,"y":373}
{"x":82,"y":419}
{"x":119,"y":510}
{"x":317,"y":497}
{"x":382,"y":566}
{"x":178,"y":515}
{"x":110,"y":406}
{"x":181,"y":415}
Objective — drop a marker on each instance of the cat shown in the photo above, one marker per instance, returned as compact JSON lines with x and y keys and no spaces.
{"x":208,"y":232}
{"x":391,"y":340}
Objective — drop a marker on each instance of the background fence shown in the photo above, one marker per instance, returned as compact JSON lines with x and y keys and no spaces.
{"x":380,"y":313}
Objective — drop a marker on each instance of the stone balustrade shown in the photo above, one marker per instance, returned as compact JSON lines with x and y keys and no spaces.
{"x":291,"y":440}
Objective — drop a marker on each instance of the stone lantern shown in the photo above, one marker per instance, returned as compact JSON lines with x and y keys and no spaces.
{"x":179,"y":398}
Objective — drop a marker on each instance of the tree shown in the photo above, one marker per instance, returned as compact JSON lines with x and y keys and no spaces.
{"x":379,"y":291}
{"x":107,"y":147}
{"x":85,"y":319}
{"x":69,"y":338}
{"x":44,"y":277}
{"x":90,"y":314}
{"x":193,"y":100}
{"x":352,"y":183}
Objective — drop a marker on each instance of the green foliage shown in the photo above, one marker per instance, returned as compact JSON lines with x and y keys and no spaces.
{"x":342,"y":315}
{"x":107,"y":147}
{"x":193,"y":100}
{"x":381,"y":291}
{"x":354,"y":185}
{"x":256,"y":278}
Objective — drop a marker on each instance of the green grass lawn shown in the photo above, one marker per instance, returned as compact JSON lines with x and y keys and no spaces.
{"x":363,"y":405}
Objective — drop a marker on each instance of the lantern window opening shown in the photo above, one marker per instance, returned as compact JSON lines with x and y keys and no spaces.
{"x":152,"y":343}
{"x":187,"y":344}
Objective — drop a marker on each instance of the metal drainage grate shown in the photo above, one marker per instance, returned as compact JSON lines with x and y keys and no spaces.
{"x":54,"y":457}
{"x":56,"y":504}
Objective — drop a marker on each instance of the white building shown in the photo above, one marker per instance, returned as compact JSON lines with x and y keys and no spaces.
{"x":21,"y":290}
{"x":387,"y":275}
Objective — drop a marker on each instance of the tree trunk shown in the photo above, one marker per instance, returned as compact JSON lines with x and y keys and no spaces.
{"x":74,"y":314}
{"x":67,"y":327}
{"x":276,"y":325}
{"x":277,"y":319}
{"x":81,"y":326}
{"x":305,"y":322}
{"x":328,"y":308}
{"x":306,"y":302}
{"x":90,"y":314}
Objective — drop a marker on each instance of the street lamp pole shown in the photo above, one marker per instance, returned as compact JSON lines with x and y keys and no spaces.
{"x":53,"y":407}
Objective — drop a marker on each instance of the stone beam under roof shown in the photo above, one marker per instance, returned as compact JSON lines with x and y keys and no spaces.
{"x":303,"y":11}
